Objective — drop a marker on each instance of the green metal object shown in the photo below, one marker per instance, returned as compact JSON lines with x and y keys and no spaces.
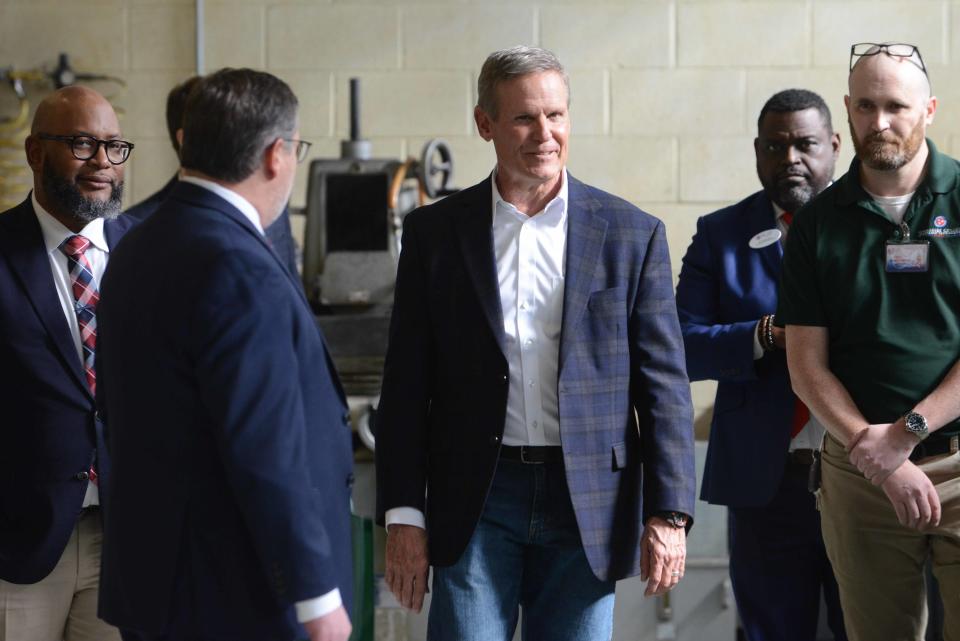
{"x":362,"y":619}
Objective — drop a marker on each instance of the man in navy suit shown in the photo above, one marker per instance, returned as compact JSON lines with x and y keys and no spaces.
{"x":278,"y":233}
{"x":534,"y":439}
{"x":54,"y":248}
{"x":761,"y":439}
{"x":227,"y":424}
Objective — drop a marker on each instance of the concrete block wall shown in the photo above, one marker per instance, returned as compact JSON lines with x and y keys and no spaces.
{"x":665,"y":93}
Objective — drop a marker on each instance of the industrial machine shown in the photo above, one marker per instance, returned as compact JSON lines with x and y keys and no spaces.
{"x":354,"y":218}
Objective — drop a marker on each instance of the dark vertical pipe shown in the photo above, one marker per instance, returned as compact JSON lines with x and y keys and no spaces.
{"x":354,"y":109}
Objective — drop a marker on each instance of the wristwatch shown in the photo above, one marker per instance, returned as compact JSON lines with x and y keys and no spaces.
{"x":676,"y":519}
{"x":916,"y":424}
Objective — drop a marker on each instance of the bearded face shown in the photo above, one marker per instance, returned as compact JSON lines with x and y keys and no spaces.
{"x":68,"y":197}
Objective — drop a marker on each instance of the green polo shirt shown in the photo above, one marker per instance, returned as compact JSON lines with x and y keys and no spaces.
{"x":893,"y":336}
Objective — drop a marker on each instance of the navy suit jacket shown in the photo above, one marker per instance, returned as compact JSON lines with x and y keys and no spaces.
{"x":228,"y":429}
{"x":50,"y":429}
{"x":443,"y":404}
{"x":278,"y":233}
{"x":725,"y":287}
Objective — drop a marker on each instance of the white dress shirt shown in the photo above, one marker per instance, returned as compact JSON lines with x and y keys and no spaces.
{"x":327,"y":603}
{"x":54,"y":234}
{"x":811,"y":436}
{"x":530,"y":253}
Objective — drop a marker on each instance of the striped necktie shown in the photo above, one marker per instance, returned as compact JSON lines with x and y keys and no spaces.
{"x":801,"y":413}
{"x":85,"y":297}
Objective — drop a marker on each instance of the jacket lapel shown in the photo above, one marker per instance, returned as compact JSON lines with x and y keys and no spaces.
{"x":475,"y":232}
{"x":22,"y":242}
{"x":762,"y":219}
{"x":586,"y":232}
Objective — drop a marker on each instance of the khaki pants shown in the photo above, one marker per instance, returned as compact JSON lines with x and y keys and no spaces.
{"x":63,"y":605}
{"x":878,"y":562}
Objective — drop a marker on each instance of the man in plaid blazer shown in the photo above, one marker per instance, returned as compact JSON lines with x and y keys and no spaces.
{"x":534,"y":440}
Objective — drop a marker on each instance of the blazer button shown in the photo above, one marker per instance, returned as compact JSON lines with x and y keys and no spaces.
{"x":506,"y":378}
{"x":350,"y":480}
{"x":82,"y":476}
{"x":346,"y":417}
{"x":98,"y":416}
{"x":494,"y":440}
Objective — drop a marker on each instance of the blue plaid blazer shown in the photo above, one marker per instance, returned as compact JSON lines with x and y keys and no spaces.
{"x":625,"y":411}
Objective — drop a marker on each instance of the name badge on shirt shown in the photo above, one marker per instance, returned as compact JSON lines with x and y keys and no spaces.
{"x":765,"y":238}
{"x":907,"y":255}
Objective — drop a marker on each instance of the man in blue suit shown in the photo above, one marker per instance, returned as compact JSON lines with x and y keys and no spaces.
{"x":227,"y":424}
{"x":278,"y":233}
{"x":761,"y":439}
{"x":54,"y":248}
{"x":534,"y":439}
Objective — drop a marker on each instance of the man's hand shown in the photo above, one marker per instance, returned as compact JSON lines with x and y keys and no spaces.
{"x":330,"y":627}
{"x":881,"y":449}
{"x":663,"y":556}
{"x":913,"y":497}
{"x":408,"y":564}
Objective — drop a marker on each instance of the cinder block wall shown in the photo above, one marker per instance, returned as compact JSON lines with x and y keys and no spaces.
{"x":665,"y":93}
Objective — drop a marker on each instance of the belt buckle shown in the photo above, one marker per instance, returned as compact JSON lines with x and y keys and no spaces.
{"x":523,"y":456}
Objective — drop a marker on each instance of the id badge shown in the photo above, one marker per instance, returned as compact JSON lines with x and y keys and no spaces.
{"x":909,"y":256}
{"x":906,"y":255}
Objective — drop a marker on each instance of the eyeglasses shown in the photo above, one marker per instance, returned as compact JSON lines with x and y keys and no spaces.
{"x":303,"y":148}
{"x":892,"y":49}
{"x":86,"y":147}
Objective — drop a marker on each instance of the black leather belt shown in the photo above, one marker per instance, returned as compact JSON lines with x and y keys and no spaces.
{"x":801,"y":457}
{"x":934,"y":446}
{"x":532,"y":454}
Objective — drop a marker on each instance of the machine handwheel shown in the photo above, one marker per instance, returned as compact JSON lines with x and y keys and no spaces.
{"x":436,"y":168}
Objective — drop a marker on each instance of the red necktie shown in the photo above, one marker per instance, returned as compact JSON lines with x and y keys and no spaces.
{"x":801,"y":414}
{"x":86,"y":297}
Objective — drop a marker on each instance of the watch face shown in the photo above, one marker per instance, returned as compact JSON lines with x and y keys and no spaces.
{"x":915,"y":423}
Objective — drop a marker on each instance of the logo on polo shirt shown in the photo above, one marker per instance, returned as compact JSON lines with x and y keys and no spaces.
{"x":938,"y":228}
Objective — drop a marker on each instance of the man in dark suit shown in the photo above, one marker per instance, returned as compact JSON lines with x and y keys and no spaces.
{"x":761,"y":439}
{"x":278,"y":233}
{"x":54,"y":248}
{"x":227,"y":424}
{"x":534,"y":438}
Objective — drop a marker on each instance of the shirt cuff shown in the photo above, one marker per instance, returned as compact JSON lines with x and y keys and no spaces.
{"x":757,"y":348}
{"x":405,"y":516}
{"x":321,"y":606}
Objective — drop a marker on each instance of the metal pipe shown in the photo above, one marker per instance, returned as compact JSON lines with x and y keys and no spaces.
{"x":354,"y":109}
{"x":200,"y":37}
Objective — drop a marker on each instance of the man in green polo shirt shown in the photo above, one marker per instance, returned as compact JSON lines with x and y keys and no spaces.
{"x":870,"y":296}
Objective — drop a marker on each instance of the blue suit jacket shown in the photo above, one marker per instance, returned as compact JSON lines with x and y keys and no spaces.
{"x":725,"y":287}
{"x":278,"y":233}
{"x":50,"y":429}
{"x":444,"y":395}
{"x":228,"y":430}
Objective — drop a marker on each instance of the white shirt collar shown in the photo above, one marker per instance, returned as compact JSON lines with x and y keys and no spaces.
{"x":554,"y":212}
{"x":248,"y":210}
{"x":55,"y":232}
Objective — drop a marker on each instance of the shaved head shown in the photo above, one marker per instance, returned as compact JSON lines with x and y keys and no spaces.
{"x":59,"y":107}
{"x":72,"y":190}
{"x":883,"y":68}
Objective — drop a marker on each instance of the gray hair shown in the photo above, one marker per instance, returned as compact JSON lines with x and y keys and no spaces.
{"x":507,"y":64}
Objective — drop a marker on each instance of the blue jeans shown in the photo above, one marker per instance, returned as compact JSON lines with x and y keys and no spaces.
{"x":525,"y":553}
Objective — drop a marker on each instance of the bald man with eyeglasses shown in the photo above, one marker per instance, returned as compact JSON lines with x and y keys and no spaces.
{"x":54,"y":248}
{"x":869,"y":296}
